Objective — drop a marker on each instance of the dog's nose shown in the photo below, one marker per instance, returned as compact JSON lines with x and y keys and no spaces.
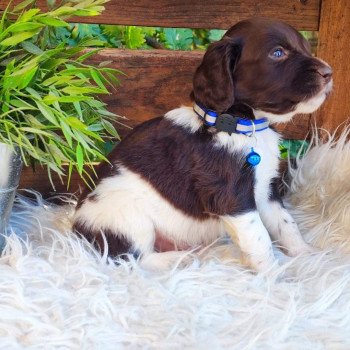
{"x":326,"y":72}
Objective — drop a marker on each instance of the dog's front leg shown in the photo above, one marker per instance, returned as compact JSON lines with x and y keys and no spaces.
{"x":253,"y":239}
{"x":282,"y":226}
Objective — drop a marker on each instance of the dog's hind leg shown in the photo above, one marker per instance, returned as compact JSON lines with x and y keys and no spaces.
{"x":115,"y":228}
{"x":118,"y":244}
{"x":105,"y":240}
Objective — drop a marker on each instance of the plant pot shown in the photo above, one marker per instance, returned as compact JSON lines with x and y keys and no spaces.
{"x":10,"y":172}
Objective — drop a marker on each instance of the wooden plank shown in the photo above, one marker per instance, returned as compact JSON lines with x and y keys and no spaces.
{"x":221,"y":14}
{"x":158,"y":81}
{"x":334,"y":48}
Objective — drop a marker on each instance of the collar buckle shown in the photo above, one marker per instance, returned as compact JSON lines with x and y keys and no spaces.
{"x":227,"y":122}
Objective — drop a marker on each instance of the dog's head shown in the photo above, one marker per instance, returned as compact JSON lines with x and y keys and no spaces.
{"x":265,"y":65}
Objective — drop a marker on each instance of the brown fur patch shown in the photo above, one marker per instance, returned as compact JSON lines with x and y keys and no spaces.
{"x":116,"y":244}
{"x":186,"y":169}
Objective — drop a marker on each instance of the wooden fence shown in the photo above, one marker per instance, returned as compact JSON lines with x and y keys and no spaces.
{"x":158,"y":80}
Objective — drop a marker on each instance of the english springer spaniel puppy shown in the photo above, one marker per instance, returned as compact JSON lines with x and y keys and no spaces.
{"x":183,"y":180}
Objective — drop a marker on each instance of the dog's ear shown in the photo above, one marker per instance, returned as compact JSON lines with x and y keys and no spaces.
{"x":213,"y":81}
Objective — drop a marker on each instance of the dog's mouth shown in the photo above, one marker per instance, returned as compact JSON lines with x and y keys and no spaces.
{"x":328,"y":88}
{"x":324,"y":91}
{"x":307,"y":105}
{"x":312,"y":103}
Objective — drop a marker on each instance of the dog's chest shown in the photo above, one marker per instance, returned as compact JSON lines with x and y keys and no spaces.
{"x":267,"y":146}
{"x":265,"y":143}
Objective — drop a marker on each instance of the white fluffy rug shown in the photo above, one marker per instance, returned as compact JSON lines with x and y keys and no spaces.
{"x":57,"y":293}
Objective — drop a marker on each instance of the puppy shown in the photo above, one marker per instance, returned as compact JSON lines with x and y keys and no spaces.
{"x":178,"y":181}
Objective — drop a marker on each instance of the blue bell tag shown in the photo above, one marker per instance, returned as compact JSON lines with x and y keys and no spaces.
{"x":253,"y":158}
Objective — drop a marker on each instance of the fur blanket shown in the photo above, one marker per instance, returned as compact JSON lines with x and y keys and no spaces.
{"x":57,"y":293}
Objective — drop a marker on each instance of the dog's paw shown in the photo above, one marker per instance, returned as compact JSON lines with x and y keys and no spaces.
{"x":304,"y":249}
{"x":158,"y":262}
{"x":262,"y":263}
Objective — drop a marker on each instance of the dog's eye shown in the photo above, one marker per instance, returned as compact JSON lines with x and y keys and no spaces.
{"x":277,"y":53}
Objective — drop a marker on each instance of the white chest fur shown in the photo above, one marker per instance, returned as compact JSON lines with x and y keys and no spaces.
{"x":265,"y":143}
{"x":267,"y":147}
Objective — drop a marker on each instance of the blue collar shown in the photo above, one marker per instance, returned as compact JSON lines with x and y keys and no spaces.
{"x":230,"y":123}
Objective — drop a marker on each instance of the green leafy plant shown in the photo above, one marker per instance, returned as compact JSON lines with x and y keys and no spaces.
{"x":293,"y":148}
{"x":48,"y":92}
{"x":132,"y":37}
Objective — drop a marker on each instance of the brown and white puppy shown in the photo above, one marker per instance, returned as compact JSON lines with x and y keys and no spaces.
{"x":173,"y":181}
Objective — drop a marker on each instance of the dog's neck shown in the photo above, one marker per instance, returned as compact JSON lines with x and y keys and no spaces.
{"x":238,"y":120}
{"x":242,"y":111}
